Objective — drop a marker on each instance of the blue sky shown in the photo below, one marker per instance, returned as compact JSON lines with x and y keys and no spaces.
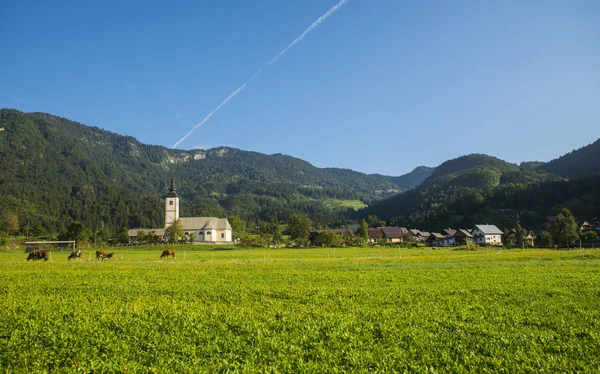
{"x":381,"y":86}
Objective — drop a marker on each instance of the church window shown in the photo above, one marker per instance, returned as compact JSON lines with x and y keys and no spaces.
{"x":171,"y":202}
{"x":222,"y":235}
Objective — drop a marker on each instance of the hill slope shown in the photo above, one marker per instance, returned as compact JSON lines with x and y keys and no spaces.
{"x":54,"y":171}
{"x":579,"y":163}
{"x":414,"y":178}
{"x":457,"y":193}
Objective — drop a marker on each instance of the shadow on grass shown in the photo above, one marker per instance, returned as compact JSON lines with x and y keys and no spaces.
{"x":224,"y":249}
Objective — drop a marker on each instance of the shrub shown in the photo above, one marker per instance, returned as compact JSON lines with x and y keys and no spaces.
{"x":471,"y":247}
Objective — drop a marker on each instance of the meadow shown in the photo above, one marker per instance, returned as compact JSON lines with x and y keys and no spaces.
{"x":302,"y":310}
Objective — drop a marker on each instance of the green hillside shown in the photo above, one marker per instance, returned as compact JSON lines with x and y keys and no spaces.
{"x":579,"y":163}
{"x":414,"y":178}
{"x":54,"y":171}
{"x":460,"y":192}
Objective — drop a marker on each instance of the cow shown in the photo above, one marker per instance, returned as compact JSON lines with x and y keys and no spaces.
{"x":167,"y":253}
{"x":76,"y":254}
{"x":100,"y":254}
{"x":38,"y":254}
{"x":110,"y":256}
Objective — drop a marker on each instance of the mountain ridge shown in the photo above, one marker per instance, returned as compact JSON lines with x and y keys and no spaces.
{"x":103,"y":178}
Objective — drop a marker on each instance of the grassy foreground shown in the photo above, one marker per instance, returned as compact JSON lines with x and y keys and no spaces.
{"x":302,"y":310}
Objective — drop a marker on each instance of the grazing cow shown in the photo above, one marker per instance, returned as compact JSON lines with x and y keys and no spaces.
{"x":76,"y":254}
{"x":100,"y":254}
{"x":39,"y":254}
{"x":110,"y":256}
{"x":167,"y":253}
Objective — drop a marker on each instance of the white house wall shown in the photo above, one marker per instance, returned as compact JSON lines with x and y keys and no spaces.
{"x":212,"y":236}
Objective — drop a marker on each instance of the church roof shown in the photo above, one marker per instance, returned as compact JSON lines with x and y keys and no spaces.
{"x":202,"y":223}
{"x":172,"y":189}
{"x":157,"y":232}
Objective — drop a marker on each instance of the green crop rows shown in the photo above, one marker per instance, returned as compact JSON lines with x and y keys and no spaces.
{"x":302,"y":310}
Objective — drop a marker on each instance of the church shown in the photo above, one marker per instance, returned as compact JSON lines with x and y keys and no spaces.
{"x":206,"y":229}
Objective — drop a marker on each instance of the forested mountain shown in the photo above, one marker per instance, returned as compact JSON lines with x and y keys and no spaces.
{"x":579,"y":163}
{"x":414,"y":178}
{"x":460,"y":192}
{"x":54,"y":171}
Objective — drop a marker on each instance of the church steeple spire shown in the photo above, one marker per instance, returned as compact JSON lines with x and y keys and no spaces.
{"x":172,"y":189}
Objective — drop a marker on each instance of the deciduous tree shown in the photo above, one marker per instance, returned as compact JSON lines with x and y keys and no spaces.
{"x":10,"y":223}
{"x":328,"y":239}
{"x":175,"y":231}
{"x":238,"y":226}
{"x":565,"y":230}
{"x":299,"y":228}
{"x":363,"y":230}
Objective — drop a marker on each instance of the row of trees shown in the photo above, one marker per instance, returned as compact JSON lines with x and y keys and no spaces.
{"x":565,"y":232}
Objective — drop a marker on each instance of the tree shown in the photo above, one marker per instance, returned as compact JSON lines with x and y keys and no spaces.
{"x":328,"y":239}
{"x":192,"y":237}
{"x":175,"y":231}
{"x":10,"y":223}
{"x":37,"y":230}
{"x":374,"y":221}
{"x":363,"y":230}
{"x":264,"y":234}
{"x":519,"y":236}
{"x":76,"y":231}
{"x":238,"y":226}
{"x":142,"y":236}
{"x":547,"y":240}
{"x":407,"y":237}
{"x":299,"y":228}
{"x":565,"y":230}
{"x":588,"y":235}
{"x":123,"y":236}
{"x":275,"y":232}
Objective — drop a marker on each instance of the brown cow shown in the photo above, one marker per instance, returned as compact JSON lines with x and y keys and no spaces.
{"x":38,"y":254}
{"x":167,"y":253}
{"x":100,"y":254}
{"x":110,"y":256}
{"x":76,"y":254}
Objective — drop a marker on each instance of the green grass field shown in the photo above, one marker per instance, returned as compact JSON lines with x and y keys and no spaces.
{"x":302,"y":310}
{"x":354,"y":204}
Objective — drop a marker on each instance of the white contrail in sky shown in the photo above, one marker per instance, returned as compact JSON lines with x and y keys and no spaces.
{"x":310,"y":28}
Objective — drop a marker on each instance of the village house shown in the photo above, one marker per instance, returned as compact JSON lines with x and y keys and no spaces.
{"x":434,"y":238}
{"x":487,"y":235}
{"x":531,"y":238}
{"x":394,"y":234}
{"x":586,"y":226}
{"x":159,"y":234}
{"x":414,"y":233}
{"x":462,"y":237}
{"x":205,"y":229}
{"x":374,"y":234}
{"x":448,"y":232}
{"x":422,"y":236}
{"x":447,"y":241}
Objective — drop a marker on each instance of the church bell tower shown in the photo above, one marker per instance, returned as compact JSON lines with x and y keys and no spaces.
{"x":171,"y":205}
